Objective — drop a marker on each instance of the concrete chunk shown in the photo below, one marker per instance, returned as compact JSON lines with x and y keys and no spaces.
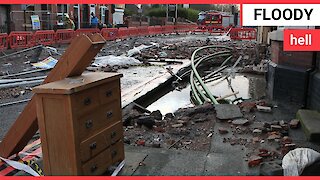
{"x":227,"y":111}
{"x":310,"y":122}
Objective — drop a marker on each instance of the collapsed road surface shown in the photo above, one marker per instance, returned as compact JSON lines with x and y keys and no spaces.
{"x":210,"y":137}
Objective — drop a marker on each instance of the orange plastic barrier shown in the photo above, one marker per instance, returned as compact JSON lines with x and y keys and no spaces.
{"x":158,"y":29}
{"x":46,"y":37}
{"x":64,"y":36}
{"x":109,"y":33}
{"x":133,"y":31}
{"x":20,"y":39}
{"x":3,"y":41}
{"x":123,"y":33}
{"x":243,"y":34}
{"x":143,"y":30}
{"x":87,"y":31}
{"x":151,"y":30}
{"x":168,"y":29}
{"x":180,"y":28}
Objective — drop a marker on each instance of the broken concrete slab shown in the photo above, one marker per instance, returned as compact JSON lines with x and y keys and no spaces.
{"x":271,"y":168}
{"x":310,"y":121}
{"x":227,"y":111}
{"x":240,"y":121}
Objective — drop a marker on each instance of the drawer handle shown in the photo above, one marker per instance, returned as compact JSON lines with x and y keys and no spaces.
{"x":109,"y":93}
{"x":87,"y":101}
{"x":89,"y":124}
{"x":94,"y":168}
{"x":114,"y":153}
{"x":93,"y":146}
{"x":113,"y":134}
{"x":109,"y":114}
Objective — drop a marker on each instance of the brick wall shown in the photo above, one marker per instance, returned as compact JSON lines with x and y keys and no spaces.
{"x":301,"y":60}
{"x":314,"y":87}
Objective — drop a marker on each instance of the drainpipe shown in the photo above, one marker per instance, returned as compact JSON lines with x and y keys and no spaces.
{"x":309,"y":75}
{"x":79,"y":15}
{"x":8,"y":19}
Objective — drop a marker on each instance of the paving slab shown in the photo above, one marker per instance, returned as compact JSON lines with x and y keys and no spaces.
{"x":132,"y":161}
{"x":169,"y":162}
{"x":227,"y":111}
{"x":220,"y":164}
{"x":310,"y":121}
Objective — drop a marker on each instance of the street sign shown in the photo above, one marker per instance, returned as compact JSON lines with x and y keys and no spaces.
{"x":35,"y":22}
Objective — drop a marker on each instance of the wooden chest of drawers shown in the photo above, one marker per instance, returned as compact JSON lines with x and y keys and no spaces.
{"x":80,"y":124}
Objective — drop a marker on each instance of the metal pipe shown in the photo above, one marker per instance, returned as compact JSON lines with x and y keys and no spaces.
{"x":13,"y":103}
{"x":20,"y":83}
{"x":23,"y":73}
{"x":8,"y":81}
{"x":18,"y":52}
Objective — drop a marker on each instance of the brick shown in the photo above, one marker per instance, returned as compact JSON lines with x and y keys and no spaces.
{"x":254,"y":161}
{"x":294,"y":123}
{"x":223,"y":130}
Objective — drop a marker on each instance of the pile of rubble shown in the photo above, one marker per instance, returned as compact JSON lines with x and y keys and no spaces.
{"x":193,"y":129}
{"x":187,"y":128}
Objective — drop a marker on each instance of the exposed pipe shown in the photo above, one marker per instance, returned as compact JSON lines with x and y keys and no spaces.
{"x":18,"y":52}
{"x":23,"y":73}
{"x":195,"y":89}
{"x":20,"y":83}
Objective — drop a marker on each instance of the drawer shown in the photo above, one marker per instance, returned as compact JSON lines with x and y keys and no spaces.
{"x":109,"y":92}
{"x":115,"y":133}
{"x":117,"y":152}
{"x":94,"y":145}
{"x":99,"y":164}
{"x":85,"y":101}
{"x":99,"y":119}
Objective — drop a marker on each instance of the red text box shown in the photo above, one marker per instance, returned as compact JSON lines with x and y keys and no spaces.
{"x":301,"y":40}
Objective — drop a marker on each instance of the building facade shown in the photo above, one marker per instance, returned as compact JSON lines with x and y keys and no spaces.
{"x":17,"y":17}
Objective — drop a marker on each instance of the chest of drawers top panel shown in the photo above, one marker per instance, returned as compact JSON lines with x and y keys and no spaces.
{"x":76,"y":84}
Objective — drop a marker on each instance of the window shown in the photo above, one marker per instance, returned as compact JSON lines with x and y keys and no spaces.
{"x":62,"y":8}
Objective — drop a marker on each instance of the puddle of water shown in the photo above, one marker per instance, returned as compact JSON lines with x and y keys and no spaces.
{"x":172,"y":101}
{"x":249,"y":86}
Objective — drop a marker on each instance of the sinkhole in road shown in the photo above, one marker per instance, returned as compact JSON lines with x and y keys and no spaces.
{"x":249,"y":87}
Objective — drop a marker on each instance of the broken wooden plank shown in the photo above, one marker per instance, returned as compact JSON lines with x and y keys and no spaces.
{"x":73,"y":62}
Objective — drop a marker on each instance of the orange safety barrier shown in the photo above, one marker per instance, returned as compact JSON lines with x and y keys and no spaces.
{"x":243,"y":34}
{"x":20,"y":39}
{"x":143,"y":30}
{"x":123,"y":33}
{"x":87,"y":31}
{"x":151,"y":30}
{"x":46,"y":37}
{"x":169,"y":29}
{"x":64,"y":36}
{"x":158,"y":29}
{"x":193,"y":27}
{"x":180,"y":28}
{"x":3,"y":41}
{"x":133,"y":31}
{"x":109,"y":33}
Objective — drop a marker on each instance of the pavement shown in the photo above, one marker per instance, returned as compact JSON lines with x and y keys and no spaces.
{"x":221,"y":159}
